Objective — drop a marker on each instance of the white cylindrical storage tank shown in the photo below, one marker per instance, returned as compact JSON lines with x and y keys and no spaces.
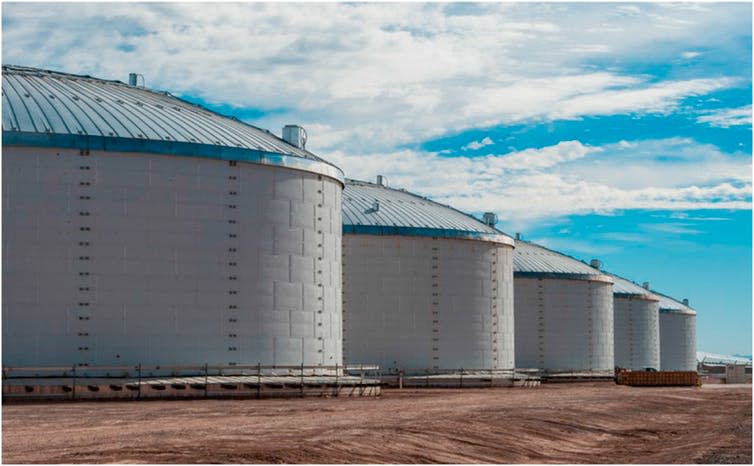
{"x":677,"y":335}
{"x":424,"y":285}
{"x":637,"y":328}
{"x":141,"y":228}
{"x":563,"y":313}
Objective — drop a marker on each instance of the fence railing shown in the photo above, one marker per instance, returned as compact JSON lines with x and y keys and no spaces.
{"x":131,"y":381}
{"x":136,"y":371}
{"x":155,"y":370}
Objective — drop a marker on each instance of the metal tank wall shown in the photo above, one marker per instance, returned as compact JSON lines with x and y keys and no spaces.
{"x":637,"y":332}
{"x":563,"y":324}
{"x":120,"y":258}
{"x":677,"y":340}
{"x":423,"y":302}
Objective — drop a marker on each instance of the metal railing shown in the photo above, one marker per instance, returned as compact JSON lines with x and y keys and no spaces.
{"x":159,"y":370}
{"x":449,"y":377}
{"x":199,"y":377}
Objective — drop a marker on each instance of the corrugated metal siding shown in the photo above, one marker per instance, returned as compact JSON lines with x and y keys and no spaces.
{"x":563,"y":325}
{"x":399,"y":208}
{"x":530,"y":257}
{"x":46,"y":102}
{"x":135,"y":259}
{"x":637,"y":332}
{"x":418,"y":303}
{"x":677,"y":341}
{"x":722,"y":359}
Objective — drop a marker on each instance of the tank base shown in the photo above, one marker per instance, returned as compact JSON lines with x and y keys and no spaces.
{"x":460,"y":380}
{"x":47,"y":389}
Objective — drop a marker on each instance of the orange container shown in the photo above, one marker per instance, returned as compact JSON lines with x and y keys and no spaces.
{"x":657,"y":379}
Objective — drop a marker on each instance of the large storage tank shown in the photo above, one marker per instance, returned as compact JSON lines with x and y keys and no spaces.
{"x":637,"y":328}
{"x":677,"y":335}
{"x":424,"y":286}
{"x":140,"y":228}
{"x":563,"y":313}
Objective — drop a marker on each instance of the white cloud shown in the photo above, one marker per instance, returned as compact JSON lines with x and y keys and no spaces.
{"x":474,"y":145}
{"x":671,"y":162}
{"x":690,"y":54}
{"x":727,"y":117}
{"x":373,"y":77}
{"x":674,"y":228}
{"x":562,"y":243}
{"x":569,"y":178}
{"x":533,"y":159}
{"x":366,"y":79}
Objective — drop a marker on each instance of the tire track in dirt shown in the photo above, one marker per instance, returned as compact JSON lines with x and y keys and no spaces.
{"x":564,"y":423}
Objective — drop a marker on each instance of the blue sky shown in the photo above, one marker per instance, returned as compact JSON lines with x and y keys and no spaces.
{"x":619,"y":131}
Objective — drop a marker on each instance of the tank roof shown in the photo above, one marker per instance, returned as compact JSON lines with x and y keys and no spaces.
{"x":721,"y":359}
{"x":534,"y":260}
{"x":53,"y":109}
{"x":625,"y":287}
{"x":370,"y":208}
{"x":670,"y":305}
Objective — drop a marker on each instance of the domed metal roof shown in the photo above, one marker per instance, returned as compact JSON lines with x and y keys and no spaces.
{"x":374,"y":209}
{"x":52,"y":109}
{"x":673,"y":306}
{"x":533,"y":260}
{"x":623,"y":287}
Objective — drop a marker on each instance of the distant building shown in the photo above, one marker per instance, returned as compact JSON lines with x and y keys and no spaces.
{"x":719,"y":368}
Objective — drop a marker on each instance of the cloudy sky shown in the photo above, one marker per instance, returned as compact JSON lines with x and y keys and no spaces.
{"x":618,"y":131}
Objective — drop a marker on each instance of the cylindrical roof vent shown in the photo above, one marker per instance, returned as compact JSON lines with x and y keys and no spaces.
{"x":295,"y":136}
{"x":518,"y":235}
{"x":382,"y":180}
{"x":645,"y":285}
{"x":133,"y":79}
{"x":685,"y":301}
{"x":489,"y":219}
{"x":596,"y":263}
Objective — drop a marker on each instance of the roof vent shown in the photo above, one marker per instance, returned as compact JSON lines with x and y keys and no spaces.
{"x":518,"y":236}
{"x":489,"y":219}
{"x":295,"y":136}
{"x":596,"y":263}
{"x":375,"y":206}
{"x":645,"y":285}
{"x":133,"y":79}
{"x":382,"y":180}
{"x":685,"y":301}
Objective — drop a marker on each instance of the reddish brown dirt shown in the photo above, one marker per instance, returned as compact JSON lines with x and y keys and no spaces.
{"x":560,"y":423}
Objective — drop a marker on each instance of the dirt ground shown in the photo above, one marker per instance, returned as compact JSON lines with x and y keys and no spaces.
{"x":557,"y":423}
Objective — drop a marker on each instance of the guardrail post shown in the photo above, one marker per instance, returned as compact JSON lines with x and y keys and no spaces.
{"x":73,"y":385}
{"x":138,"y":375}
{"x":206,"y":379}
{"x":400,"y":379}
{"x":361,"y":379}
{"x":337,"y":388}
{"x":302,"y":380}
{"x":259,"y":380}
